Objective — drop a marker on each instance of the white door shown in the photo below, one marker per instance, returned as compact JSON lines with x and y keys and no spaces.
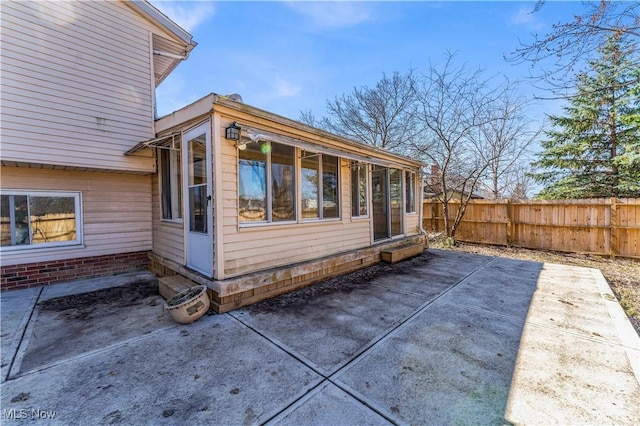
{"x":197,"y":187}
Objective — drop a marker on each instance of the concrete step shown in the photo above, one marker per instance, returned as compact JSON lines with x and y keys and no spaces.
{"x":173,"y":284}
{"x":397,"y":254}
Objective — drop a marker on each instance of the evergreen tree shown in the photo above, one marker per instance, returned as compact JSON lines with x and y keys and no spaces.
{"x":594,"y":147}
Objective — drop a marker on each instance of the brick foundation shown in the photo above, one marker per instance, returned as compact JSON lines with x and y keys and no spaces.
{"x":43,"y":273}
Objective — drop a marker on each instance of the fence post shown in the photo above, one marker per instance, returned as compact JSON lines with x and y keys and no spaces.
{"x":509,"y":223}
{"x":613,"y":224}
{"x":434,"y":212}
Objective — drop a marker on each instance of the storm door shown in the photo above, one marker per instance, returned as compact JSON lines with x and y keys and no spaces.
{"x":387,"y":202}
{"x":198,"y":222}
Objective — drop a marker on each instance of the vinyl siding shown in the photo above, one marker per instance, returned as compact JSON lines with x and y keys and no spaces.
{"x":412,"y":224}
{"x":77,"y":84}
{"x":168,"y":237}
{"x":258,"y":248}
{"x":116,"y":211}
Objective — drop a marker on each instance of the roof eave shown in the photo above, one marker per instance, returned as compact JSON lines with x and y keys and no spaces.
{"x":239,"y":106}
{"x":160,"y":19}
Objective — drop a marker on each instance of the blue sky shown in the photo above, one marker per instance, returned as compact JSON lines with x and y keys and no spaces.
{"x":287,"y":57}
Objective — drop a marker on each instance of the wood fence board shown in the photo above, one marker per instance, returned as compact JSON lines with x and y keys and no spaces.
{"x":606,"y":226}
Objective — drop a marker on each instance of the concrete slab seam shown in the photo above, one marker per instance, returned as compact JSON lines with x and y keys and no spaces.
{"x":27,"y":331}
{"x":293,"y":354}
{"x":396,"y":290}
{"x":336,"y":372}
{"x":304,"y":395}
{"x":297,"y":403}
{"x":393,"y":331}
{"x":483,"y":311}
{"x":621,"y":322}
{"x":94,"y":352}
{"x":369,"y":403}
{"x":398,"y":324}
{"x":386,"y":336}
{"x":283,"y":347}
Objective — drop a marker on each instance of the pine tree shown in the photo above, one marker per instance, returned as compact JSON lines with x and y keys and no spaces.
{"x":594,"y":147}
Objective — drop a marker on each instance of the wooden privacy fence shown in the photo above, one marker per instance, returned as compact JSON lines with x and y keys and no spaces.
{"x":604,"y":226}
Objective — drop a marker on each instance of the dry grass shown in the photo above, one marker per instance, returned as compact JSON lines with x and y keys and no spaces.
{"x":623,"y":275}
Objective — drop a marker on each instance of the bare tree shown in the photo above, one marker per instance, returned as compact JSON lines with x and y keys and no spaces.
{"x":453,"y":105}
{"x":506,"y":137}
{"x":556,"y":57}
{"x":381,"y":116}
{"x":522,"y":187}
{"x":307,"y":117}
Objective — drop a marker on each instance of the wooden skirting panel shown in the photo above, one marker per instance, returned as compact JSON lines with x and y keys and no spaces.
{"x":227,"y":295}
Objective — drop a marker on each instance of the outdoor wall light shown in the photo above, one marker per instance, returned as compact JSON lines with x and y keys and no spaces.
{"x":232,"y":132}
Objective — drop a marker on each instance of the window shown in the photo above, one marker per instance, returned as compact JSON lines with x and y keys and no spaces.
{"x":40,"y":219}
{"x":358,"y":189}
{"x":395,"y":201}
{"x":329,"y":187}
{"x":171,"y":180}
{"x":410,"y":198}
{"x":310,"y":167}
{"x":257,"y":165}
{"x":283,"y":184}
{"x":319,"y":186}
{"x":197,"y":184}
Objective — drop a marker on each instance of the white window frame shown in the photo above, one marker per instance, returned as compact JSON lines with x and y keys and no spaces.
{"x":410,"y":186}
{"x":76,"y":195}
{"x":269,"y":192}
{"x":175,"y":184}
{"x":320,"y":188}
{"x":360,"y":166}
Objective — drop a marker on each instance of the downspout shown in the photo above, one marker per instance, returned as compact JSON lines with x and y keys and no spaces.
{"x":170,"y":55}
{"x":421,"y":217}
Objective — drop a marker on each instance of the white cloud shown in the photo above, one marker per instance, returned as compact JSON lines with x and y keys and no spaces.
{"x":186,"y":14}
{"x":333,"y":14}
{"x":526,"y":17}
{"x":284,"y":88}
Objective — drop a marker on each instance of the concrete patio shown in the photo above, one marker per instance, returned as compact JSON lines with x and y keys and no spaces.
{"x":445,"y":338}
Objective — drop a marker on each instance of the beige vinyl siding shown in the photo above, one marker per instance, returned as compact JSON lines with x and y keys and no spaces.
{"x":412,"y":224}
{"x":412,"y":220}
{"x":116,"y":211}
{"x":168,"y":237}
{"x":77,"y":84}
{"x":252,"y":249}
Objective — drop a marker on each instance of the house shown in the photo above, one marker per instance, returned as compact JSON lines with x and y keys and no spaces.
{"x":457,"y":186}
{"x":77,"y":83}
{"x":227,"y":195}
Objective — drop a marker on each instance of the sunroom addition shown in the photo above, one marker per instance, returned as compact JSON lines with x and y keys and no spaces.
{"x":289,"y":204}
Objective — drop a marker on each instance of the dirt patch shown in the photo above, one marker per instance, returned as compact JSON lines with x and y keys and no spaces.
{"x":343,"y":284}
{"x":623,"y":275}
{"x":131,"y":294}
{"x":71,"y":325}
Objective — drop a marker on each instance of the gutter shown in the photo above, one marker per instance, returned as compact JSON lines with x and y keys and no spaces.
{"x":171,"y":55}
{"x":421,"y":217}
{"x":160,"y":19}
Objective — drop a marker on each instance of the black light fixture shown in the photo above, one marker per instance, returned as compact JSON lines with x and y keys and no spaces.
{"x":232,"y":132}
